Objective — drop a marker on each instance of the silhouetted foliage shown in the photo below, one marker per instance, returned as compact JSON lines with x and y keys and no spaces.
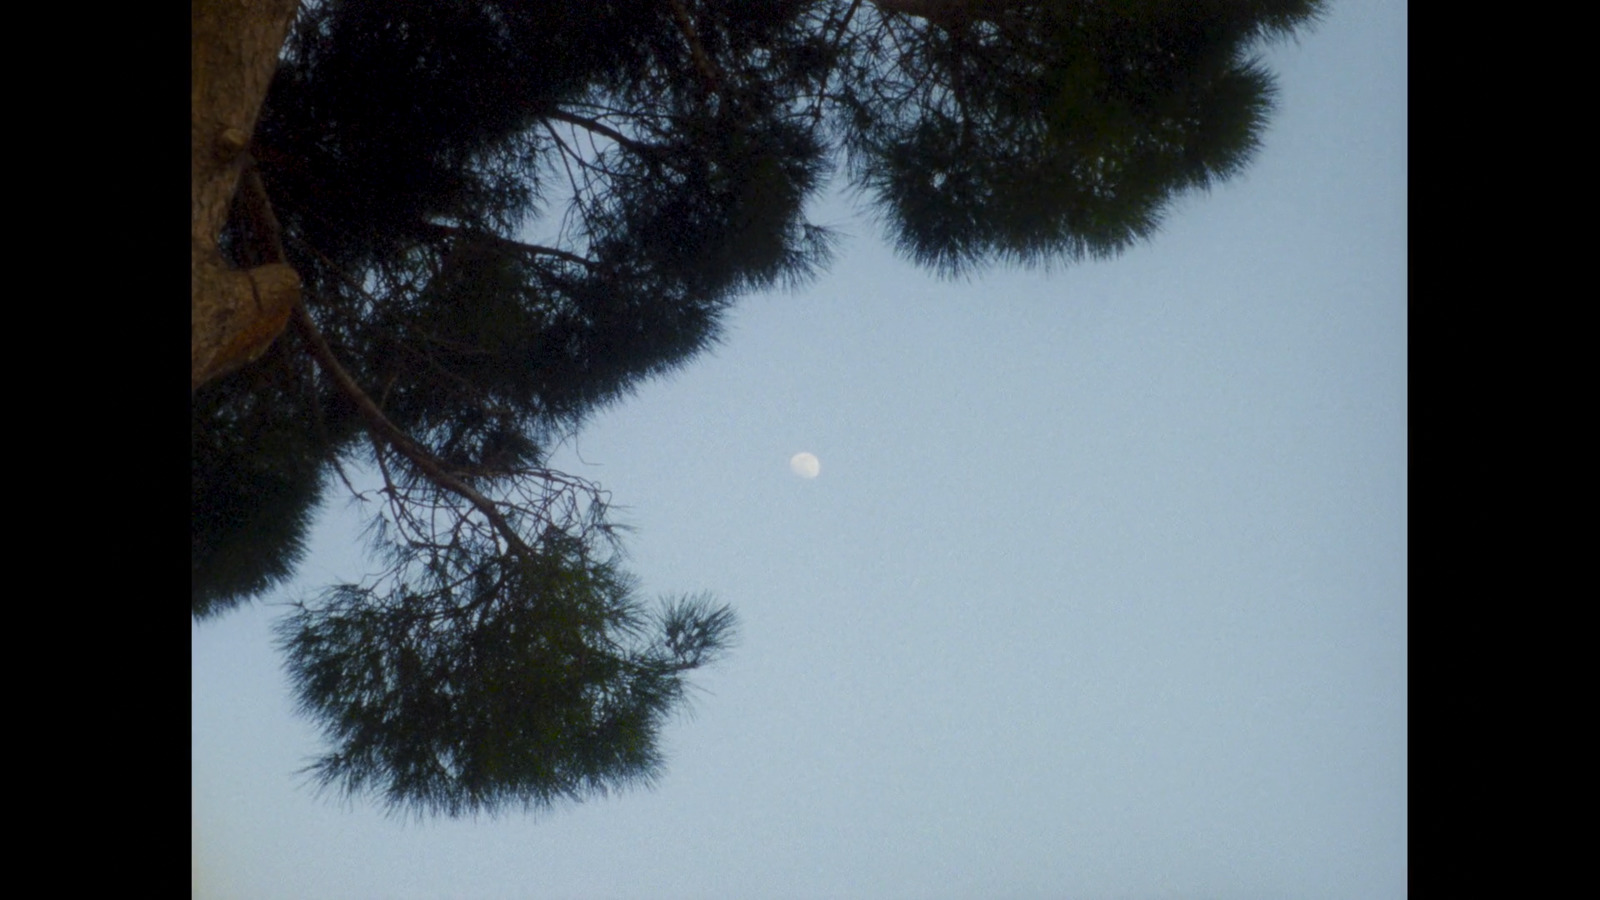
{"x":508,"y":214}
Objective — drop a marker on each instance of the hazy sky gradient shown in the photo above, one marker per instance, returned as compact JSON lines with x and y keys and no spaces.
{"x":1100,"y":593}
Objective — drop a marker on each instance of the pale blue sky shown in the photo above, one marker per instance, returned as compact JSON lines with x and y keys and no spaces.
{"x":1101,"y":592}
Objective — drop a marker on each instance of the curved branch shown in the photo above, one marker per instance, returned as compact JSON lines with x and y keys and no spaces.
{"x":604,"y":130}
{"x":398,"y":439}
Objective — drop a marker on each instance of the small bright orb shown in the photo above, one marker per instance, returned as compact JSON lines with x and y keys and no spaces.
{"x":805,"y":465}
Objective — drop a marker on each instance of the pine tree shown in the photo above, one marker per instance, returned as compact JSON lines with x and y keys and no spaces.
{"x":369,"y":298}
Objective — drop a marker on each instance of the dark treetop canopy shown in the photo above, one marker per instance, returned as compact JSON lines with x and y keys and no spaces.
{"x":664,"y":152}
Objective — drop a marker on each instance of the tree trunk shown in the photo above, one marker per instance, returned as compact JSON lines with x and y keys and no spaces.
{"x":234,"y":315}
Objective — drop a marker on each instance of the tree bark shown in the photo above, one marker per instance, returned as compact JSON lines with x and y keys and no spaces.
{"x":234,"y":315}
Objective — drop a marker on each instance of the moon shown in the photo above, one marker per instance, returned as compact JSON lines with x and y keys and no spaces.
{"x":806,"y":465}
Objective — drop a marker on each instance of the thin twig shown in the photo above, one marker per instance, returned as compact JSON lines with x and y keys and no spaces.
{"x":827,"y":71}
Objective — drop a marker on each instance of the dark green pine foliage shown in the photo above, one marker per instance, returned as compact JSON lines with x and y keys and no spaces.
{"x":444,"y":698}
{"x":509,"y":214}
{"x":1025,"y":132}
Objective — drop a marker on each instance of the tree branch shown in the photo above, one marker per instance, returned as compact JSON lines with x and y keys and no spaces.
{"x":607,"y":131}
{"x":497,"y":240}
{"x":708,"y":69}
{"x":827,"y":71}
{"x":399,"y":440}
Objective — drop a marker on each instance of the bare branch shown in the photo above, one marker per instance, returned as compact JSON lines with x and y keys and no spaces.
{"x":604,"y":130}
